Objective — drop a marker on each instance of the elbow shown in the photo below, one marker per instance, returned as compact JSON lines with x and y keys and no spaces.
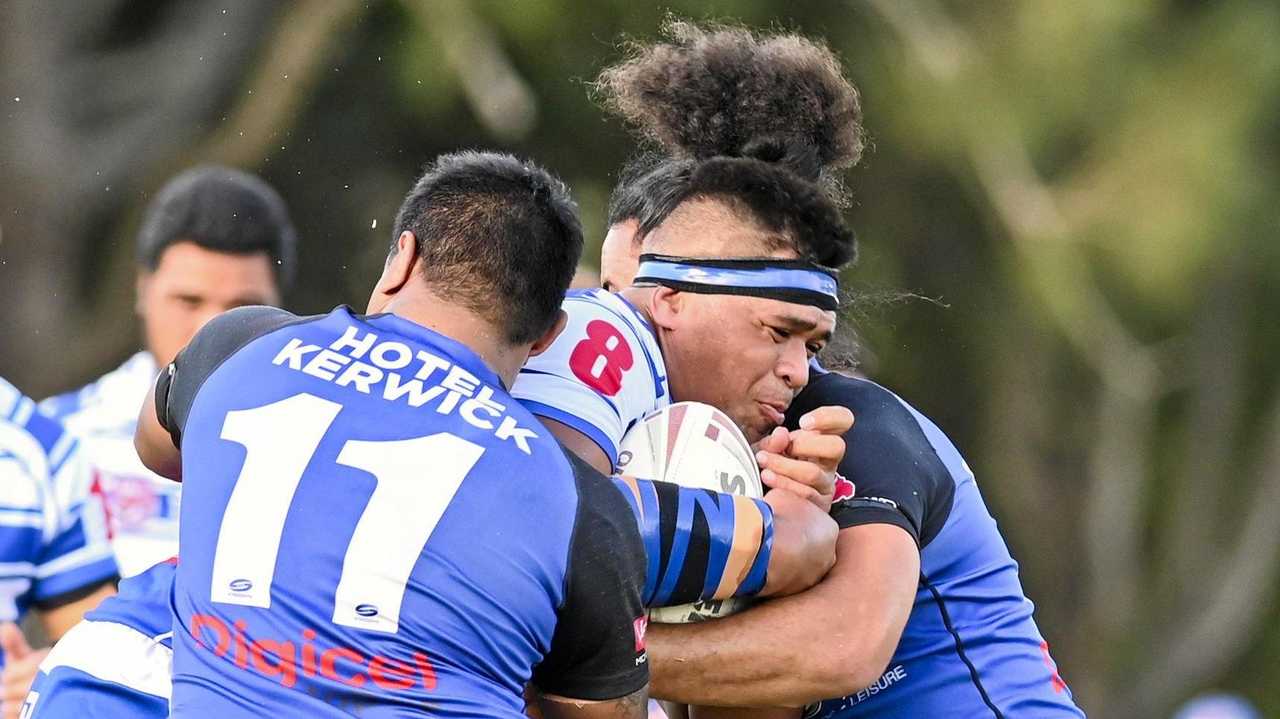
{"x":849,"y":669}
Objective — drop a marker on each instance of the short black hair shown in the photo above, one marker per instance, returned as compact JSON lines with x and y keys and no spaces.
{"x":220,"y":209}
{"x":496,"y":234}
{"x":640,"y":184}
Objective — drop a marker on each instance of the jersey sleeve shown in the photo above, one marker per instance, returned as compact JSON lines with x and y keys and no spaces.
{"x":75,"y":558}
{"x":898,"y":476}
{"x":699,"y":544}
{"x":597,"y":652}
{"x":595,"y":377}
{"x":177,"y":384}
{"x":102,"y":669}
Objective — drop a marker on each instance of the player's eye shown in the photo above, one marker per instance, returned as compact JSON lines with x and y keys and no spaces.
{"x":814,"y":348}
{"x":779,"y":334}
{"x":188,"y":301}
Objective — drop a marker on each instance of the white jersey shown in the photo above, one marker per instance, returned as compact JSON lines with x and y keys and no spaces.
{"x":53,"y":535}
{"x":601,"y":375}
{"x":141,"y":505}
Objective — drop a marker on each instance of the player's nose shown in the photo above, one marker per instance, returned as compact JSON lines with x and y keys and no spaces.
{"x":793,"y":364}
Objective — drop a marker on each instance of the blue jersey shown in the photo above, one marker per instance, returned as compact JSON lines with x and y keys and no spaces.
{"x":372,"y":525}
{"x":54,"y":545}
{"x":115,"y":663}
{"x":970,"y":647}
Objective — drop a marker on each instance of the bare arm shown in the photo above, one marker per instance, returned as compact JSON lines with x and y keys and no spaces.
{"x":736,"y":713}
{"x":60,"y":620}
{"x":580,"y":444}
{"x":153,"y":443}
{"x":829,"y":641}
{"x":632,"y":706}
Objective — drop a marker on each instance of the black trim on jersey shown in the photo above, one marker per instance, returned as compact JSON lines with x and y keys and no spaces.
{"x":898,"y":475}
{"x":594,"y":654}
{"x":946,"y":621}
{"x":215,"y":343}
{"x":75,"y":595}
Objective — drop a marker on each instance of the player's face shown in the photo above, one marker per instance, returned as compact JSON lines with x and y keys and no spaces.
{"x":747,"y":356}
{"x":191,"y":285}
{"x":619,"y":256}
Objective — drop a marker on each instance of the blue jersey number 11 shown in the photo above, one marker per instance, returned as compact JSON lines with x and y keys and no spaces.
{"x":279,"y":440}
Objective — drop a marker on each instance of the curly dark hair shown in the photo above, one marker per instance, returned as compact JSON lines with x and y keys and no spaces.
{"x":776,"y":199}
{"x":721,"y":90}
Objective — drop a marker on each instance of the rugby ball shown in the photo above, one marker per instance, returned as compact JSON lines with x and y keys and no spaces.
{"x":693,"y":445}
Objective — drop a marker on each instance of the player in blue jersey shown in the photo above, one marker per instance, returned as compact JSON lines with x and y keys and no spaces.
{"x":377,"y":527}
{"x":55,"y":552}
{"x":115,"y":663}
{"x":923,"y":614}
{"x":305,"y":584}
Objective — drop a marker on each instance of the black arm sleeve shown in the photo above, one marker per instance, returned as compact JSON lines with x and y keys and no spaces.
{"x":898,"y":475}
{"x":177,"y":384}
{"x":597,"y":651}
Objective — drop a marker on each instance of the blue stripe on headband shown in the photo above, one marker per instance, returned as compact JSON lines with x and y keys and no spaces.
{"x":788,"y":280}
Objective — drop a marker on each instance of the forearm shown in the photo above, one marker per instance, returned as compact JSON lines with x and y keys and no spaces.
{"x":777,"y":657}
{"x":828,"y":641}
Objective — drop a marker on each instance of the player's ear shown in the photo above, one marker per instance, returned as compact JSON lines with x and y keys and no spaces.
{"x":665,"y":307}
{"x":550,"y":336}
{"x":396,"y":273}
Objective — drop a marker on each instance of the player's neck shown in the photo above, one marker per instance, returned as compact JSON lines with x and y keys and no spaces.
{"x":459,"y":323}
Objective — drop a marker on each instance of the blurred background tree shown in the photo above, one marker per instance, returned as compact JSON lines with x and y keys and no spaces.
{"x":1087,"y":191}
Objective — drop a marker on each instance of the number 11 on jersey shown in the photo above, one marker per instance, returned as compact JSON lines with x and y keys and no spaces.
{"x":407,"y":503}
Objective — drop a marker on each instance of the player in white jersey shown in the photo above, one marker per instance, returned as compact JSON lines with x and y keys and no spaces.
{"x":54,"y":553}
{"x":213,"y":239}
{"x":730,"y":315}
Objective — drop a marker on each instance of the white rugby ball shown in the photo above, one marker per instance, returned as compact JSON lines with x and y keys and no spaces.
{"x":693,"y":445}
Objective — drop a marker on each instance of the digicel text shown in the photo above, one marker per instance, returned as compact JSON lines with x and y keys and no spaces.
{"x":280,"y":660}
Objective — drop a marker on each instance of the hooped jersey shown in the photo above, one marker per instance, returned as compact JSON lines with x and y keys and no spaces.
{"x":372,"y":526}
{"x":142,"y":507}
{"x":602,"y":374}
{"x":117,"y":661}
{"x":971,"y":647}
{"x":54,"y":547}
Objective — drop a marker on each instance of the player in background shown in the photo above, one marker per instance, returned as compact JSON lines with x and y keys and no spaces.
{"x":115,"y":663}
{"x":213,"y":238}
{"x":923,"y":614}
{"x":53,"y":534}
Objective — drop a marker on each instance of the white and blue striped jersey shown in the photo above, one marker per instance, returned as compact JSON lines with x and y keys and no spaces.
{"x":601,"y":375}
{"x":117,"y":662}
{"x":54,"y":546}
{"x":142,"y":506}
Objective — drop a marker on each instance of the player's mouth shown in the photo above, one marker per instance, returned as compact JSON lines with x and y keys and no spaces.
{"x":774,"y":412}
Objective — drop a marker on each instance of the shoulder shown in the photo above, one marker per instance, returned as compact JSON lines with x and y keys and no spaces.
{"x":235,"y":328}
{"x":108,"y":400}
{"x":895,"y":456}
{"x":142,"y":602}
{"x":878,"y":412}
{"x":227,"y":333}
